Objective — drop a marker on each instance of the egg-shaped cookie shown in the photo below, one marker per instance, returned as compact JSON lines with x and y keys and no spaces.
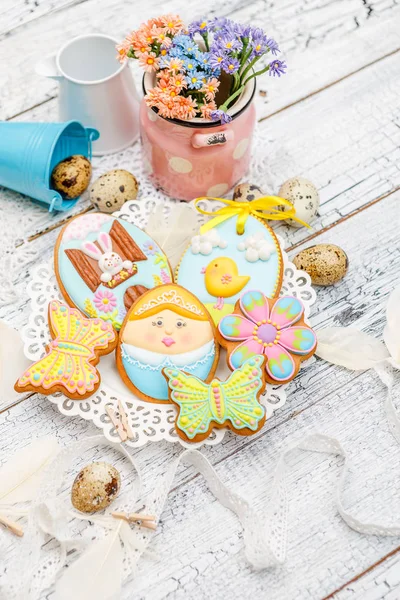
{"x":167,"y":327}
{"x":219,"y":265}
{"x":103,"y":264}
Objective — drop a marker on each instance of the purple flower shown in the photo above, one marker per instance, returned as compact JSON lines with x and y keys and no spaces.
{"x":220,"y":115}
{"x":216,"y":58}
{"x":273,"y":46}
{"x":230,"y":65}
{"x":242,"y":31}
{"x":277,"y":67}
{"x":219,"y":22}
{"x":229,"y":42}
{"x":150,"y":248}
{"x":199,"y":26}
{"x":259,"y":43}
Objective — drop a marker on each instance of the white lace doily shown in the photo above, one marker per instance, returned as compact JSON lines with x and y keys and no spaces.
{"x":149,"y":422}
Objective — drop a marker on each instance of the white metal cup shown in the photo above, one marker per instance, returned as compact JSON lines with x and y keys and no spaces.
{"x":96,"y":90}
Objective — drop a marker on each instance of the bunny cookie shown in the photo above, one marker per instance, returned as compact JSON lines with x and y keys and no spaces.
{"x":103,"y":264}
{"x":109,"y":262}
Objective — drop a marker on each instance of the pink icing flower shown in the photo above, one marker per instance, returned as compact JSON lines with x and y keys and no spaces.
{"x":268,"y":327}
{"x":225,"y":279}
{"x":104,"y":301}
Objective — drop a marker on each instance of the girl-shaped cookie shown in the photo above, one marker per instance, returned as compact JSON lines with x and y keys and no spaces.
{"x":166,"y":327}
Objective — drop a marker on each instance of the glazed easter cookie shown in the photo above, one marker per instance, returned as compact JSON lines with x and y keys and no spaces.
{"x":233,"y":403}
{"x":68,"y":365}
{"x":166,"y":327}
{"x":220,"y":265}
{"x":103,"y":264}
{"x":275,"y":328}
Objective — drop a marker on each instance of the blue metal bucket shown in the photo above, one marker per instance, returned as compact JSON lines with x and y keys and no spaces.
{"x":30,"y":151}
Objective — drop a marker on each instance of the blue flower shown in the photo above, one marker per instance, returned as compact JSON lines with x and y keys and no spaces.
{"x":217,"y":56}
{"x":199,"y":26}
{"x":277,"y":67}
{"x":182,"y":39}
{"x":194,"y":79}
{"x":176,"y":52}
{"x":220,"y":115}
{"x":190,"y":64}
{"x":203,"y":59}
{"x":230,"y":65}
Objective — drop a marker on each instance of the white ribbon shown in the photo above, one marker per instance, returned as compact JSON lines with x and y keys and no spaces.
{"x":264,"y":531}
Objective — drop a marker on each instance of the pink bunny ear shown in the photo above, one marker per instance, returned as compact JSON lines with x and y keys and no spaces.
{"x":91,"y":250}
{"x":105,"y":241}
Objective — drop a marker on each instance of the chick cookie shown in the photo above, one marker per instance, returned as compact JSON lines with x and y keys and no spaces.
{"x":275,"y":328}
{"x":167,"y":327}
{"x":220,"y":264}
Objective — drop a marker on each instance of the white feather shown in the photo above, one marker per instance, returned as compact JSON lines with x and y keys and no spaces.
{"x":175,"y":235}
{"x":391,"y":333}
{"x":96,"y":574}
{"x":12,"y":363}
{"x":21,"y":476}
{"x":350,"y":348}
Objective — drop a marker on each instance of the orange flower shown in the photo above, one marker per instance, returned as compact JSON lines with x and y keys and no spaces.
{"x":148,"y":61}
{"x":122,"y":50}
{"x":178,"y":83}
{"x":164,"y":82}
{"x":160,"y":36}
{"x":187,"y":107}
{"x":206,"y":109}
{"x":210,"y":88}
{"x":175,"y":64}
{"x":172,"y":23}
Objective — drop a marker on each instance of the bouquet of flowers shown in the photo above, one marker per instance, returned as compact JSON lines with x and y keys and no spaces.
{"x":193,"y":64}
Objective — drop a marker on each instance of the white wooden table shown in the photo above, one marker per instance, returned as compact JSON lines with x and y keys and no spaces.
{"x":335,"y":119}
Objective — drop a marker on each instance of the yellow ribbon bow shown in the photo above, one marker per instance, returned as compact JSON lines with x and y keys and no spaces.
{"x":243,"y":210}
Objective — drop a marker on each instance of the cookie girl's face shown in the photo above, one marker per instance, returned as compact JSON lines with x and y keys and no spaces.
{"x":167,"y":333}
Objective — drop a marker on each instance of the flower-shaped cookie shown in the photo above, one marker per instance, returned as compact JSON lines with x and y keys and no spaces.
{"x":275,"y":328}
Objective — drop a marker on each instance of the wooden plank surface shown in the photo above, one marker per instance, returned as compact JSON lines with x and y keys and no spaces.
{"x":335,"y":118}
{"x":344,"y":399}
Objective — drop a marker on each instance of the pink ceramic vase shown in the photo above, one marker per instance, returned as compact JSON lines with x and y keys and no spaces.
{"x":188,"y":159}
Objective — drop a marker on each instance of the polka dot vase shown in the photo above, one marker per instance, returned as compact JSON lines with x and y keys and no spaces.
{"x":188,"y":159}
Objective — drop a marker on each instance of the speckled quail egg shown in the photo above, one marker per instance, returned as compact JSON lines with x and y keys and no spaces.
{"x":110,"y":191}
{"x":247,"y":192}
{"x":95,"y":487}
{"x":326,"y":264}
{"x":71,"y":176}
{"x":304,"y":196}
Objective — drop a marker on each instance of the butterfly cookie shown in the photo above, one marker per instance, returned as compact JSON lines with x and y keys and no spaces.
{"x":71,"y":356}
{"x":233,"y":403}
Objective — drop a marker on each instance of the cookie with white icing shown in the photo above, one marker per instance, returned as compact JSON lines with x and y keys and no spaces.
{"x":167,"y":327}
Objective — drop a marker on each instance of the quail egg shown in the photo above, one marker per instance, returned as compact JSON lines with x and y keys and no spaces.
{"x":95,"y":487}
{"x":110,"y":191}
